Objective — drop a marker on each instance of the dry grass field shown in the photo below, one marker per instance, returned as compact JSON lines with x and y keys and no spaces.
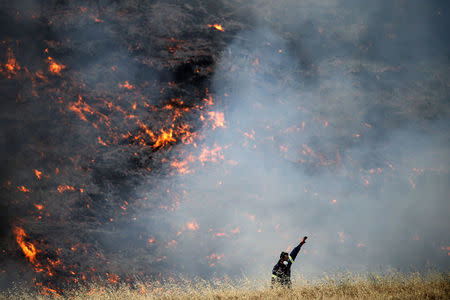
{"x":391,"y":286}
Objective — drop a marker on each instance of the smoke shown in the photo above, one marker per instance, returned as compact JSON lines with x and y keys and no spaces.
{"x":327,"y":135}
{"x":322,"y":119}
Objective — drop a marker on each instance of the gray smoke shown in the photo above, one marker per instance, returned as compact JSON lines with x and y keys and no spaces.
{"x":336,"y":128}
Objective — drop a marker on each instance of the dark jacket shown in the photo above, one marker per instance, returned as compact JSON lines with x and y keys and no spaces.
{"x":282,"y":273}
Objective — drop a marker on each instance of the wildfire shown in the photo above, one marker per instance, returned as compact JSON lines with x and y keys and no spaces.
{"x":24,"y":189}
{"x":113,"y":278}
{"x":64,"y":187}
{"x":213,"y":258}
{"x":54,"y":67}
{"x":235,"y":231}
{"x":80,"y":108}
{"x":164,"y":138}
{"x":38,"y":174}
{"x":192,"y":225}
{"x":39,"y":206}
{"x":212,"y":155}
{"x":217,"y":118}
{"x":217,"y":27}
{"x":27,"y":248}
{"x":126,"y":85}
{"x":11,"y":66}
{"x":182,"y":166}
{"x":101,"y":142}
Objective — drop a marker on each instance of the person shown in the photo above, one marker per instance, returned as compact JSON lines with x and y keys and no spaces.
{"x":281,"y":273}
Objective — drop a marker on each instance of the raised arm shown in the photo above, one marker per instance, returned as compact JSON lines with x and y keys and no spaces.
{"x":295,"y":251}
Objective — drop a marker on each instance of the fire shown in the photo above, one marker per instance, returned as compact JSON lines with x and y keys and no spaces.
{"x":54,"y":67}
{"x":80,"y":108}
{"x":101,"y":142}
{"x":38,"y":174}
{"x":126,"y":85}
{"x":11,"y":66}
{"x":192,"y":225}
{"x":113,"y":278}
{"x":182,"y":166}
{"x":27,"y":248}
{"x":164,"y":138}
{"x":212,"y":155}
{"x":213,"y":258}
{"x":217,"y":118}
{"x":24,"y":189}
{"x":39,"y":206}
{"x":217,"y":27}
{"x":64,"y":187}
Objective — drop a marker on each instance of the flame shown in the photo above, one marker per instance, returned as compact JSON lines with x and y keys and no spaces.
{"x":101,"y":142}
{"x":38,"y":173}
{"x":164,"y":138}
{"x":182,"y":166}
{"x":192,"y":225}
{"x":216,"y":26}
{"x":80,"y":108}
{"x":64,"y":187}
{"x":126,"y":85}
{"x":342,"y":237}
{"x":27,"y":248}
{"x":213,"y":258}
{"x":212,"y":155}
{"x":54,"y":67}
{"x":235,"y":231}
{"x":39,"y":206}
{"x":113,"y":278}
{"x":11,"y":66}
{"x":22,"y":188}
{"x":217,"y":118}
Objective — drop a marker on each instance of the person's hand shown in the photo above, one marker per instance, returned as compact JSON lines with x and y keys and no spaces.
{"x":304,"y":239}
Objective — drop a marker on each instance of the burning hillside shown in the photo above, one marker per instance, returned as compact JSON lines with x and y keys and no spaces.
{"x":151,"y":139}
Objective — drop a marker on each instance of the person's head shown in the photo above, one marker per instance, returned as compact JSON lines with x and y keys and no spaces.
{"x":284,"y":257}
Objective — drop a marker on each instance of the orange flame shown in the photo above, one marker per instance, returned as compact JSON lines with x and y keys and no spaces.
{"x":101,"y":142}
{"x":212,"y":155}
{"x":113,"y":278}
{"x":39,"y":206}
{"x":11,"y":64}
{"x":216,"y":26}
{"x":54,"y":67}
{"x":38,"y":174}
{"x":64,"y":187}
{"x":126,"y":85}
{"x":217,"y":118}
{"x":27,"y":248}
{"x":22,"y":188}
{"x":192,"y":225}
{"x":164,"y":138}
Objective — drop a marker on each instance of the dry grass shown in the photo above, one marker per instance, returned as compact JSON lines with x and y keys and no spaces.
{"x":388,"y":286}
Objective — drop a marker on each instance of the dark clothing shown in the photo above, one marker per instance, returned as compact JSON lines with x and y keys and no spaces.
{"x":281,"y":273}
